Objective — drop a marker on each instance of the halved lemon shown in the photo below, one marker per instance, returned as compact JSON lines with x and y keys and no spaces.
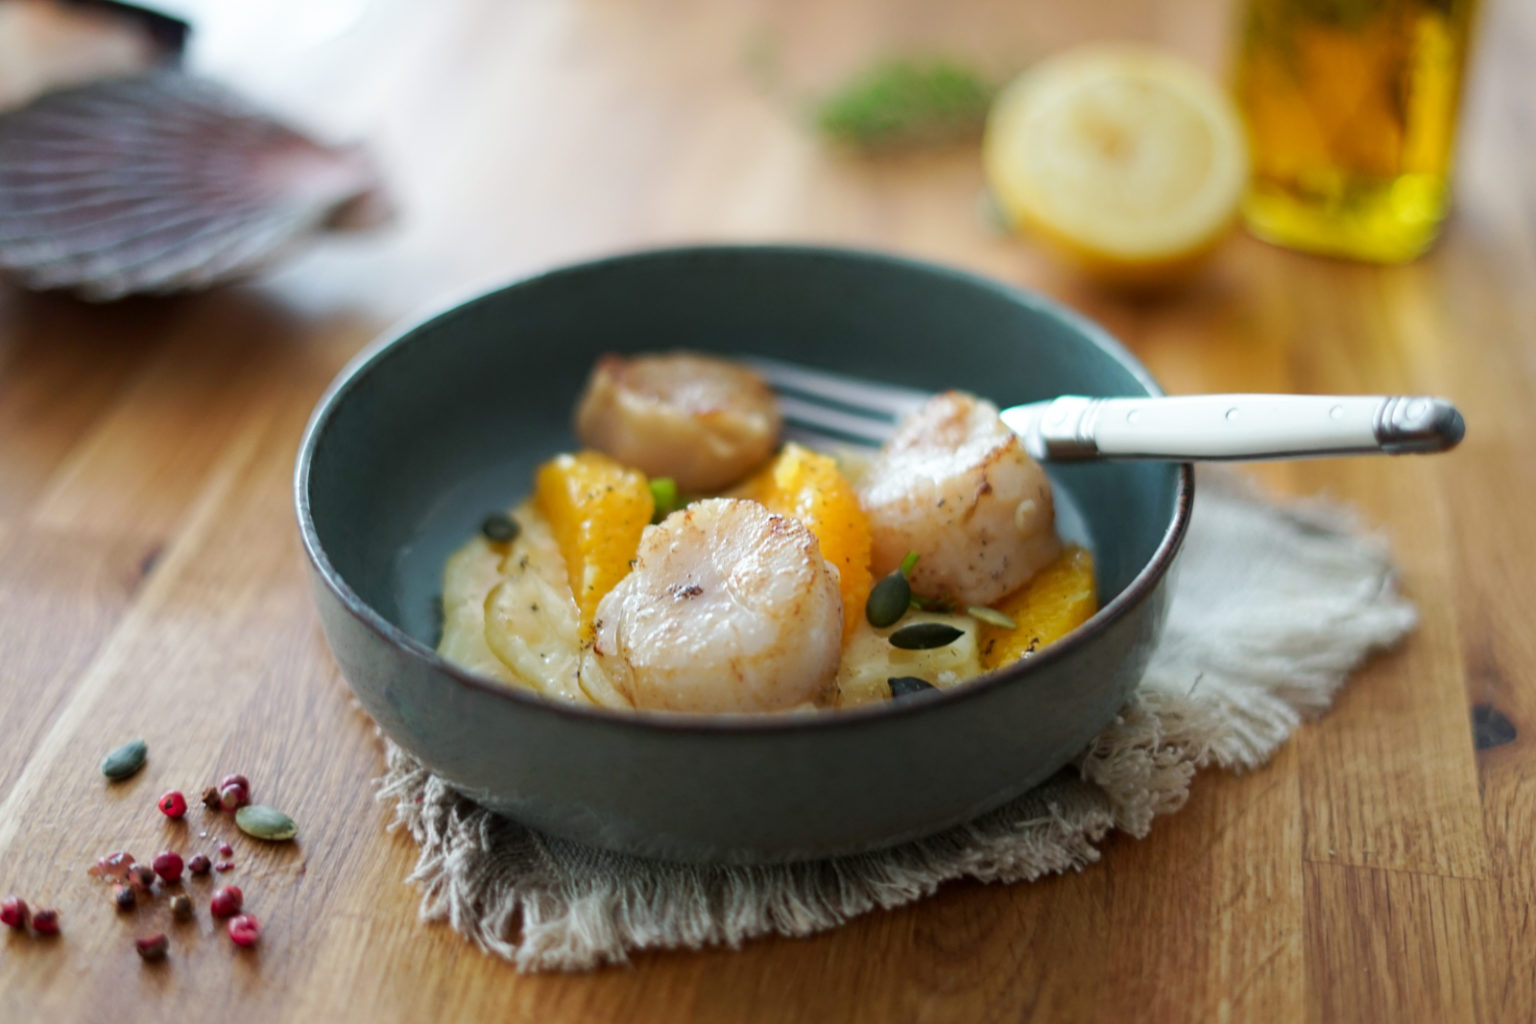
{"x":1128,"y":161}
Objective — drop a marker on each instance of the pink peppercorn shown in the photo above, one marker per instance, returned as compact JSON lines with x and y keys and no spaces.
{"x":199,"y":864}
{"x":168,"y":865}
{"x":234,"y":792}
{"x":15,"y":912}
{"x":225,"y":850}
{"x":45,"y":922}
{"x":141,"y":877}
{"x":113,"y":865}
{"x":226,"y":902}
{"x":224,"y":865}
{"x":173,"y":804}
{"x":245,"y":930}
{"x":152,"y":947}
{"x":125,"y":897}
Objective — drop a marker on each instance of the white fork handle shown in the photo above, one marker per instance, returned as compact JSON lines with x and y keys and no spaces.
{"x":1213,"y":427}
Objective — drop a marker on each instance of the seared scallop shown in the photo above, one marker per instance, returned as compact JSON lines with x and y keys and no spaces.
{"x":729,"y":608}
{"x":955,"y":485}
{"x":704,"y":422}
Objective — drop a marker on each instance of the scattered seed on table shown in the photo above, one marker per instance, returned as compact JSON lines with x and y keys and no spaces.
{"x":225,"y":850}
{"x":211,"y":799}
{"x":152,"y":947}
{"x":181,"y":907}
{"x":224,"y":865}
{"x":173,"y":804}
{"x":264,"y":822}
{"x":125,"y":761}
{"x":15,"y":912}
{"x":46,"y":921}
{"x":199,"y":864}
{"x":245,"y":930}
{"x":113,"y":866}
{"x":125,"y":897}
{"x":226,"y":902}
{"x":233,"y":796}
{"x":235,"y":779}
{"x":168,"y":865}
{"x":141,"y":877}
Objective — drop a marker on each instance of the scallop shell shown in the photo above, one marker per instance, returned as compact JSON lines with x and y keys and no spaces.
{"x":161,"y":183}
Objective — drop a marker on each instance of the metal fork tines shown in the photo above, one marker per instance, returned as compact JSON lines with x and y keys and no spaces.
{"x":824,"y":408}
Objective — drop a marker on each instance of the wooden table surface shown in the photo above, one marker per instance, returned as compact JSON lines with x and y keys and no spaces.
{"x":1380,"y":868}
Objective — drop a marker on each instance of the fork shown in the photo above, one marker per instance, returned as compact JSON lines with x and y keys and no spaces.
{"x":824,"y":408}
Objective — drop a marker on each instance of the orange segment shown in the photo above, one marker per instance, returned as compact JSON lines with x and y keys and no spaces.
{"x":1059,"y":598}
{"x":809,"y":487}
{"x":597,"y":509}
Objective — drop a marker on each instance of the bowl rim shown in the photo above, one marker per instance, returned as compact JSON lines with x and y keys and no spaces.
{"x":394,"y":339}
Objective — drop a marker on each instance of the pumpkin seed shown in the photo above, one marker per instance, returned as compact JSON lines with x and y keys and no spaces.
{"x":264,"y":822}
{"x":888,"y":601}
{"x":906,"y":686}
{"x":500,"y":529}
{"x":991,"y":616}
{"x":125,"y":760}
{"x":922,"y":636}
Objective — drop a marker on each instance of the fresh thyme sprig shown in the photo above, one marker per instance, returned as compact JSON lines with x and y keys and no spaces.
{"x":907,"y":102}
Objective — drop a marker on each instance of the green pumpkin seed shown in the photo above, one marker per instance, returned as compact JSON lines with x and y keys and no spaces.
{"x":267,"y":823}
{"x":125,"y":760}
{"x":991,"y":616}
{"x":888,"y":601}
{"x":923,"y":636}
{"x":500,"y":529}
{"x":906,"y":686}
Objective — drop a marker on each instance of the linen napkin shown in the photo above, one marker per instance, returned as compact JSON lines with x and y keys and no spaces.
{"x":1273,"y":606}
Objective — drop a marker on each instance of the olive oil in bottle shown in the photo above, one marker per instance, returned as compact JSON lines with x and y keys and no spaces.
{"x":1351,"y":107}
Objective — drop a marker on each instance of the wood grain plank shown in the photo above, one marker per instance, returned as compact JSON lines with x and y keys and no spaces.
{"x":60,"y":362}
{"x":1462,"y":314}
{"x":60,"y":597}
{"x":1393,"y":946}
{"x":220,"y":666}
{"x":144,"y":461}
{"x":1392,"y":784}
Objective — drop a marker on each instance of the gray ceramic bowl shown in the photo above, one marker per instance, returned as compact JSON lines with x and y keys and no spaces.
{"x":425,"y":433}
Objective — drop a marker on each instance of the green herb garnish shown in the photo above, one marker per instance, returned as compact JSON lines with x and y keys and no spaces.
{"x":664,"y":498}
{"x":901,"y":103}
